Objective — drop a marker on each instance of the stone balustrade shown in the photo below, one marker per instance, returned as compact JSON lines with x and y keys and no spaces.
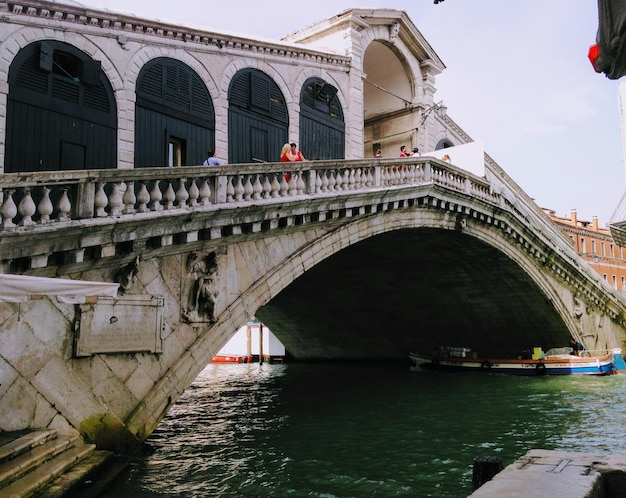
{"x":32,"y":200}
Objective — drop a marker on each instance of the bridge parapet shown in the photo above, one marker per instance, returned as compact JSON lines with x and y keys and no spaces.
{"x":49,"y":202}
{"x":34,"y":200}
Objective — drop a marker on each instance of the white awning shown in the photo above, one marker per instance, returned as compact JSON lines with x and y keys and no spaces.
{"x":21,"y":288}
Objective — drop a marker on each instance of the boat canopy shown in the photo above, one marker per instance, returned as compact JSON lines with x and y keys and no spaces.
{"x":21,"y":288}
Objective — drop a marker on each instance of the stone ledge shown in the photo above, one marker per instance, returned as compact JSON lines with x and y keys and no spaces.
{"x":559,"y":474}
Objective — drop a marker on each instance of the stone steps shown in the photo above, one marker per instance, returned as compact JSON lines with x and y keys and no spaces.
{"x":49,"y":465}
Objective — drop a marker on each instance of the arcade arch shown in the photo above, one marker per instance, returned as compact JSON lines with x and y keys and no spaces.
{"x":388,"y":95}
{"x":60,"y":94}
{"x":174,"y":115}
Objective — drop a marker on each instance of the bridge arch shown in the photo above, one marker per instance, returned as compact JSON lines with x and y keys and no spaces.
{"x":265,"y":293}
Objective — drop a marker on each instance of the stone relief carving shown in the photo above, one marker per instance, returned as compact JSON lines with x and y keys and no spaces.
{"x":200,"y":288}
{"x":461,"y":222}
{"x":578,"y":309}
{"x":127,"y":275}
{"x":394,"y":31}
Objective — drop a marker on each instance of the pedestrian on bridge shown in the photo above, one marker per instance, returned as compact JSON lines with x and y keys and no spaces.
{"x":211,"y":159}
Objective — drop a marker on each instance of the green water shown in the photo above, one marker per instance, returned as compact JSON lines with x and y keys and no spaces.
{"x":355,"y":431}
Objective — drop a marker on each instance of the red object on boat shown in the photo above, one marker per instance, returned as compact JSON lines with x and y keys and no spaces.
{"x":235,"y":358}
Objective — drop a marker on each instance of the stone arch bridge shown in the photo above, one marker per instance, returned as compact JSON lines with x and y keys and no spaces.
{"x":358,"y":260}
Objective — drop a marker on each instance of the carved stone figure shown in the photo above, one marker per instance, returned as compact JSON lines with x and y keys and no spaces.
{"x":202,"y":291}
{"x":461,"y":222}
{"x":127,"y":275}
{"x":394,"y":31}
{"x":578,"y":308}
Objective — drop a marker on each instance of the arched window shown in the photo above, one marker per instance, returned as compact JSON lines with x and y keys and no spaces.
{"x":444,"y":143}
{"x":174,"y":118}
{"x":61,"y":111}
{"x":322,"y":128}
{"x":258,"y":119}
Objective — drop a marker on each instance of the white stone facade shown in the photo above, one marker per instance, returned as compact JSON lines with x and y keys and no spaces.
{"x":124,"y":45}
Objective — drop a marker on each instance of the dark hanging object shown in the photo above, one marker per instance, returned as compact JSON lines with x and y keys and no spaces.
{"x":609,"y":55}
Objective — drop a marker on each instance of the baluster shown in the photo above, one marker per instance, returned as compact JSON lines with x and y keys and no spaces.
{"x":248,"y":190}
{"x":293,"y":189}
{"x":318,"y":182}
{"x":230,"y":190}
{"x":101,"y":200}
{"x":64,"y":206}
{"x":155,"y":197}
{"x":338,"y":177}
{"x":402,"y":173}
{"x":351,"y":180}
{"x":332,"y":180}
{"x":181,"y":194}
{"x":8,"y":210}
{"x":257,"y":188}
{"x":143,"y":198}
{"x":410,"y":173}
{"x":397,"y":175}
{"x":324,"y":174}
{"x":194,"y":193}
{"x":27,"y":208}
{"x":345,"y":180}
{"x":129,"y":199}
{"x":367,"y":178}
{"x":44,"y":208}
{"x":205,"y":193}
{"x":300,"y":185}
{"x":239,"y":189}
{"x":384,"y":176}
{"x":357,"y":179}
{"x":115,"y":200}
{"x":275,"y":186}
{"x":169,"y":197}
{"x":267,"y":187}
{"x":284,"y":186}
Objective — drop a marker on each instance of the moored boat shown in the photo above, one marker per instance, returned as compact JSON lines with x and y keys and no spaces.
{"x":559,"y":361}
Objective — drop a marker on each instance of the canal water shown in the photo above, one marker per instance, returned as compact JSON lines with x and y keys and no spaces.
{"x":250,"y":430}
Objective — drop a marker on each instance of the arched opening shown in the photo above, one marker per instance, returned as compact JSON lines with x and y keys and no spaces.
{"x":444,"y":143}
{"x":387,"y":98}
{"x":258,"y":119}
{"x":174,"y":117}
{"x":322,"y":128}
{"x":59,"y":95}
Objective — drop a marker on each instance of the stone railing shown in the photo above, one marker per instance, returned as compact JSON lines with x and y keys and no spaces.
{"x":29,"y":200}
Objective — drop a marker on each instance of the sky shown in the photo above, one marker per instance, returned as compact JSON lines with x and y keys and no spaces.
{"x":517,"y":79}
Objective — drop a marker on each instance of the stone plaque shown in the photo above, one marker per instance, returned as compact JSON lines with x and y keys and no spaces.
{"x":126,"y":324}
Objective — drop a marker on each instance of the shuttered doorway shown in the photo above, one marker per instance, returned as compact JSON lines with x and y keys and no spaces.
{"x":322,"y":127}
{"x":174,"y":116}
{"x":258,"y":119}
{"x":61,"y":111}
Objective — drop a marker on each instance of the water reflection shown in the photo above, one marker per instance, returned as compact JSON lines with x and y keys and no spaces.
{"x":343,"y":431}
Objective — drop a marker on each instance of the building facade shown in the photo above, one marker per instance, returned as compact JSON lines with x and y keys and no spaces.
{"x":596,"y":246}
{"x":88,"y":89}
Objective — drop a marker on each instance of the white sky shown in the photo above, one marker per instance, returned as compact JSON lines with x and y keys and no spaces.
{"x":517,"y":78}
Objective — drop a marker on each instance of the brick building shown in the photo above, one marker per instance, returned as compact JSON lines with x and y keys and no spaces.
{"x":596,"y":246}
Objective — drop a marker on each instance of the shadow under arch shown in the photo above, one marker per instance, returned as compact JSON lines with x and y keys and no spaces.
{"x":411,"y":246}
